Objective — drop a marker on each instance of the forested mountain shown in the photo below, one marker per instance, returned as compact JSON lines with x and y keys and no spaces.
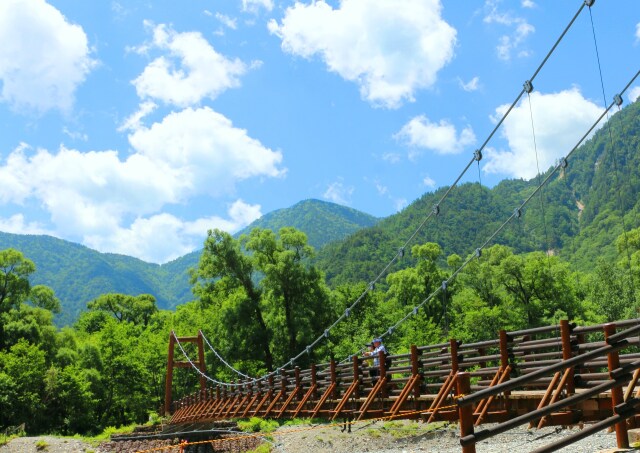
{"x":79,"y":274}
{"x":323,"y":222}
{"x":577,"y":215}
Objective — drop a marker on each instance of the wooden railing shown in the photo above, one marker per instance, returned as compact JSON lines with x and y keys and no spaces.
{"x":560,"y":374}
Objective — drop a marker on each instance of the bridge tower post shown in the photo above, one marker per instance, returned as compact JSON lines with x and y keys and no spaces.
{"x":171,"y":364}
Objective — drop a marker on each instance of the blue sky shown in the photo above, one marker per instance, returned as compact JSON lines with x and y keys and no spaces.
{"x":134,"y":126}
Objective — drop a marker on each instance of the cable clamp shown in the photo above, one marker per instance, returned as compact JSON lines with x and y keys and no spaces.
{"x":618,"y":100}
{"x":308,"y":348}
{"x":528,"y":86}
{"x":372,"y":286}
{"x":390,"y":331}
{"x":436,"y":209}
{"x":415,"y":311}
{"x":563,"y":163}
{"x":517,"y":212}
{"x":326,"y":333}
{"x":347,"y":312}
{"x":478,"y":252}
{"x":444,"y":285}
{"x":401,"y":252}
{"x":477,"y":155}
{"x":589,"y":3}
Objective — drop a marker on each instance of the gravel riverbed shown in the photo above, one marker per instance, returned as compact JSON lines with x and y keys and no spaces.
{"x":373,"y":437}
{"x":376,"y":438}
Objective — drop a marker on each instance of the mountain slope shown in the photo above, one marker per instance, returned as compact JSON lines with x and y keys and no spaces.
{"x":576,"y":215}
{"x":323,"y":222}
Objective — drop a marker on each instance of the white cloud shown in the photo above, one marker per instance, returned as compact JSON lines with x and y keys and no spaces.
{"x":441,"y":137}
{"x":471,"y":85}
{"x":192,"y":71}
{"x":17,"y":225}
{"x":134,"y":121}
{"x":75,"y":135}
{"x":392,"y":158}
{"x":95,"y":195}
{"x":43,"y":58}
{"x":528,"y":4}
{"x":508,"y":44}
{"x":204,"y":147}
{"x":227,"y":21}
{"x":400,"y":204}
{"x":634,"y":93}
{"x":253,"y":6}
{"x":381,"y":188}
{"x":560,"y":119}
{"x":638,"y":31}
{"x":390,"y":48}
{"x":339,"y":193}
{"x":163,"y":237}
{"x":428,"y":182}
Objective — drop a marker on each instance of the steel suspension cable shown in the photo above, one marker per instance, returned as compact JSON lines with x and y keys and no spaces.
{"x":239,"y":373}
{"x":476,"y":157}
{"x":436,"y":209}
{"x":477,"y":254}
{"x":539,"y":174}
{"x":614,"y":157}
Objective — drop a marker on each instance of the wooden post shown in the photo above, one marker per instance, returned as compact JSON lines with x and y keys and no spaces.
{"x":334,"y":378}
{"x":297,"y":377}
{"x":201,"y":366}
{"x":415,"y":370}
{"x":169,"y":380}
{"x":565,"y":334}
{"x":314,"y":380}
{"x":453,"y":350}
{"x":383,"y":372}
{"x":465,"y":413}
{"x":613,"y":361}
{"x":504,"y":349}
{"x":356,"y":374}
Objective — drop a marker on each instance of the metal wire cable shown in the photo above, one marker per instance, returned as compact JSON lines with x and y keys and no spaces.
{"x":204,"y":375}
{"x":240,"y":373}
{"x":544,"y":217}
{"x":614,"y":157}
{"x":476,"y":157}
{"x":391,"y":329}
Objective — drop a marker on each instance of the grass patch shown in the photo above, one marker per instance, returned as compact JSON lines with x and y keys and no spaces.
{"x":262,"y":448}
{"x":106,"y":434}
{"x":42,"y":445}
{"x":4,"y":440}
{"x":401,"y":429}
{"x":304,"y":421}
{"x":258,"y":425}
{"x":374,"y":433}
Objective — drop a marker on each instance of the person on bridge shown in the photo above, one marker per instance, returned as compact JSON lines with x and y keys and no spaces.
{"x":374,"y":371}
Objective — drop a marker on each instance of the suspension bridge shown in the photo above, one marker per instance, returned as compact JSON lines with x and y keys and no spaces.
{"x":563,"y":374}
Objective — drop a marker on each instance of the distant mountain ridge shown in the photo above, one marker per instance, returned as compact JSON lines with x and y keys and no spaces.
{"x":78,"y":274}
{"x":322,"y":221}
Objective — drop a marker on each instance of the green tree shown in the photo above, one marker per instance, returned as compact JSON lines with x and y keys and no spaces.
{"x":135,"y":309}
{"x":22,"y":370}
{"x":224,"y":271}
{"x":15,"y":270}
{"x":292,"y":287}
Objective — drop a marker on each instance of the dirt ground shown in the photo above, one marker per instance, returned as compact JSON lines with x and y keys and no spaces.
{"x":47,"y":444}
